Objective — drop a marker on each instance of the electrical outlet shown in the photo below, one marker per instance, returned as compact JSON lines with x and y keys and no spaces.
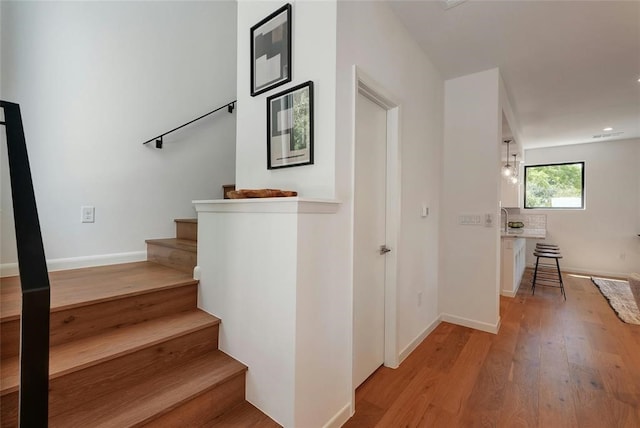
{"x":87,"y":214}
{"x":425,"y":210}
{"x":419,"y":298}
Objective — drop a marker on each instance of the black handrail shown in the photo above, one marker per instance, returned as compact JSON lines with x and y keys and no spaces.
{"x":230,"y":106}
{"x":34,"y":278}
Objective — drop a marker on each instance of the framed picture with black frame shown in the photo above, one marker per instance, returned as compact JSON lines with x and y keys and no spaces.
{"x":271,"y":51}
{"x":290,"y":127}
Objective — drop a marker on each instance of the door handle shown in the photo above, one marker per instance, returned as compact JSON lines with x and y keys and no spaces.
{"x":384,"y":250}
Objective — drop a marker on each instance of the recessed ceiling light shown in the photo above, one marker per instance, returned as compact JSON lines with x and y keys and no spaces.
{"x":607,"y":129}
{"x":609,"y":135}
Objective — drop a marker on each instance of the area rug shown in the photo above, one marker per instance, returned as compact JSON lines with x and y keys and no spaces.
{"x":623,"y":300}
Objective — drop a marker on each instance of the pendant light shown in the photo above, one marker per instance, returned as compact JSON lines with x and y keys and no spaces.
{"x":514,"y":177}
{"x":507,"y":169}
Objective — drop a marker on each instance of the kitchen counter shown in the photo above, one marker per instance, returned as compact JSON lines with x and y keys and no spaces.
{"x":524,"y":233}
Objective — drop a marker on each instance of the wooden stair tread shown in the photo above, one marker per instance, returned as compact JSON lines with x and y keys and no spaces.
{"x":158,"y":395}
{"x":82,"y":353}
{"x":244,"y":415}
{"x":78,"y":287}
{"x":175,"y":243}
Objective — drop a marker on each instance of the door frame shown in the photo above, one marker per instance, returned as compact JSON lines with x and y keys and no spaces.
{"x":370,"y":88}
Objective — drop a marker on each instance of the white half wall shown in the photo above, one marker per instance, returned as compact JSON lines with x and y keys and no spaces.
{"x":241,"y":282}
{"x":95,"y":80}
{"x":313,"y":58}
{"x":602,"y":238}
{"x":469,"y":291}
{"x":266,"y":270}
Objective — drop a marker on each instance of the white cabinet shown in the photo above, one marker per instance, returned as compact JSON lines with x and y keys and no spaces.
{"x":510,"y":195}
{"x":513,"y":263}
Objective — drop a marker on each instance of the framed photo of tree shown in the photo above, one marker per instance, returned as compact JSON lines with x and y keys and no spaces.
{"x":290,"y":127}
{"x":271,"y":51}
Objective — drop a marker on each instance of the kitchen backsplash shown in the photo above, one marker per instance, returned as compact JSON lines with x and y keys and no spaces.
{"x":531,"y":221}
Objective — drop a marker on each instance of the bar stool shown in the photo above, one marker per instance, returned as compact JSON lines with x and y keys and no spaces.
{"x":547,"y":248}
{"x":544,"y":271}
{"x":542,"y":245}
{"x":542,"y":248}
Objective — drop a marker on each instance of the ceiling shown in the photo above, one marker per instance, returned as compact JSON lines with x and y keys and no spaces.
{"x":571,"y":68}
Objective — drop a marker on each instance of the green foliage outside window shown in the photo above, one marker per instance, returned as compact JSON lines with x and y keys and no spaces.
{"x":554,"y":186}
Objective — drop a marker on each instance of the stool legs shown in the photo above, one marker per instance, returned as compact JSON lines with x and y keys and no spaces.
{"x":535,"y":274}
{"x":548,"y":254}
{"x":561,"y":282}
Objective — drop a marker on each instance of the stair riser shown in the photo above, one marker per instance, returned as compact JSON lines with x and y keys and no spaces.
{"x":9,"y":338}
{"x":199,"y":411}
{"x":186,"y":230}
{"x":178,"y":259}
{"x":76,"y":389}
{"x":9,"y":411}
{"x":84,"y":321}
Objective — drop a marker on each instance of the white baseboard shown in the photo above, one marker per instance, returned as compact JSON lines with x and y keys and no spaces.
{"x":418,"y":340}
{"x":339,"y":418}
{"x":465,"y":322}
{"x":589,"y":272}
{"x":11,"y":269}
{"x":511,"y":293}
{"x":507,"y":293}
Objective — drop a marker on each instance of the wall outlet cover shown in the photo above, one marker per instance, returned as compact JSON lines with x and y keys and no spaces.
{"x":88,"y":214}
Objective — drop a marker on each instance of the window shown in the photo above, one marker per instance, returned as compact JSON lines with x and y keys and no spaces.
{"x":554,"y":186}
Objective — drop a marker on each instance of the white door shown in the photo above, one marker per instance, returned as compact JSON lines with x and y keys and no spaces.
{"x":369,"y":236}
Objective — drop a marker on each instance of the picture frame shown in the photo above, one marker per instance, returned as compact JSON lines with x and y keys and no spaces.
{"x":271,"y":51}
{"x":290,"y":127}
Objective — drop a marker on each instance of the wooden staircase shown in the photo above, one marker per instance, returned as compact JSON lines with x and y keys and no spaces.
{"x":179,"y":252}
{"x":129,"y":347}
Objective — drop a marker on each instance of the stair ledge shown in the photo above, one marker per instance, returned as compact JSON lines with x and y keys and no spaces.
{"x":175,"y":243}
{"x":158,"y":395}
{"x":186,"y":220}
{"x":90,"y":351}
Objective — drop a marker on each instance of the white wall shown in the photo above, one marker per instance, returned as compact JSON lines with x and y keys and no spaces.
{"x":602,"y":238}
{"x":313,"y":58}
{"x":371,"y":37}
{"x":469,"y":292}
{"x":323,"y":354}
{"x":95,"y":80}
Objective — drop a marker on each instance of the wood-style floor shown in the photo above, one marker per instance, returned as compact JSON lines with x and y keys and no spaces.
{"x":553,"y":364}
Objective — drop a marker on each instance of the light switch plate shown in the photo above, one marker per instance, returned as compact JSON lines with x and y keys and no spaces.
{"x":470,"y":219}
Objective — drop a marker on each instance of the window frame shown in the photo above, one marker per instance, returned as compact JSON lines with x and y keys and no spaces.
{"x":582,"y":181}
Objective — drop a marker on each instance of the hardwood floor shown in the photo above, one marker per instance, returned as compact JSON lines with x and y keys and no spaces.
{"x":553,"y":364}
